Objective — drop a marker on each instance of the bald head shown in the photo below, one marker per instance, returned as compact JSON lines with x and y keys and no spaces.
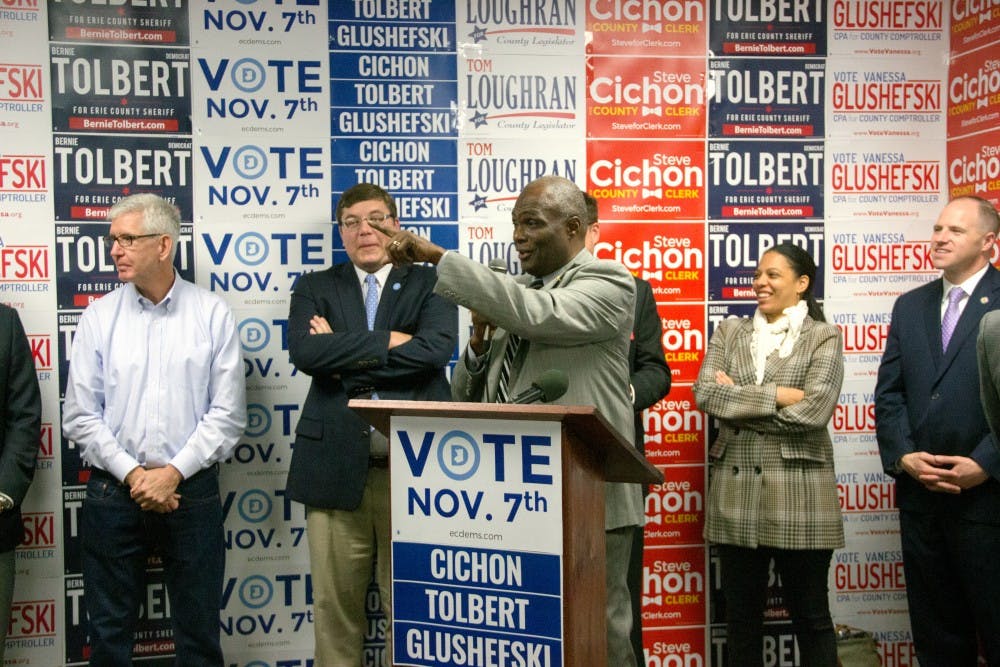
{"x":550,"y":222}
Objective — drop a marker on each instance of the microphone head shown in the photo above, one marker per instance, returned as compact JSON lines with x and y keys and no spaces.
{"x":553,"y":383}
{"x":498,"y":264}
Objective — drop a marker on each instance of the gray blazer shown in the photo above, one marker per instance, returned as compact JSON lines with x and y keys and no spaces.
{"x":772,"y":478}
{"x":579,"y":323}
{"x":988,"y":352}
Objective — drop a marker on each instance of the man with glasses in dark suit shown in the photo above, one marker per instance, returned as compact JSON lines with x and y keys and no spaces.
{"x":360,"y":329}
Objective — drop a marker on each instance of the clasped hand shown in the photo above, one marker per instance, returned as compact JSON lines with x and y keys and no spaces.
{"x":943,"y":474}
{"x":155,"y":489}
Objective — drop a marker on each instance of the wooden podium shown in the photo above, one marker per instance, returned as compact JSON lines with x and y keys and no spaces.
{"x":592,"y":452}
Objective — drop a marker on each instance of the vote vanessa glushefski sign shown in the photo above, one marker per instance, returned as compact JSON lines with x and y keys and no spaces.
{"x":476,"y":542}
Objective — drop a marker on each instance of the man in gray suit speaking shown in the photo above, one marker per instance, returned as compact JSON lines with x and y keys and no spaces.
{"x":576,"y":315}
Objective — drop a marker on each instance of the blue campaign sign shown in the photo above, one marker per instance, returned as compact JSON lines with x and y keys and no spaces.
{"x":439,"y":206}
{"x":400,"y":180}
{"x":477,"y":541}
{"x":373,"y":66}
{"x":115,"y":88}
{"x":393,"y":11}
{"x":150,"y":23}
{"x":393,"y":152}
{"x":384,"y":36}
{"x":734,"y":249}
{"x":762,"y":180}
{"x":392,"y":122}
{"x":395,"y":94}
{"x":93,"y":171}
{"x":450,"y":601}
{"x":759,"y":29}
{"x":484,"y":569}
{"x":434,"y":646}
{"x":767,"y":97}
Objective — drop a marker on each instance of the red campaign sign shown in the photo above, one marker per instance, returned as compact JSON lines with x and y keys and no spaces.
{"x":670,"y":257}
{"x":674,"y":586}
{"x":45,"y":452}
{"x":661,"y":180}
{"x":675,"y":429}
{"x":674,"y":646}
{"x":23,"y":173}
{"x":648,"y":29}
{"x":973,"y":94}
{"x":645,"y":98}
{"x":684,"y":339}
{"x":974,"y":166}
{"x":675,"y":508}
{"x":973,"y":24}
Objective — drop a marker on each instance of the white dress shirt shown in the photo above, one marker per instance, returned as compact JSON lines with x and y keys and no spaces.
{"x":156,"y":384}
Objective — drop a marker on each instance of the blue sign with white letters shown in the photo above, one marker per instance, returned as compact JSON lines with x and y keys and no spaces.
{"x":477,"y":542}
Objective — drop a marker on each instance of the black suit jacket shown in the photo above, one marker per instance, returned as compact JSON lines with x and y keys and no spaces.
{"x":649,"y":374}
{"x":20,"y":422}
{"x":330,"y":457}
{"x":927,"y":399}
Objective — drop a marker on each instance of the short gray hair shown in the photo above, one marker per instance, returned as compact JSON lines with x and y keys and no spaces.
{"x":158,"y":216}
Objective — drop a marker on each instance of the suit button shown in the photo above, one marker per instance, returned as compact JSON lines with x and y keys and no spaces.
{"x":736,"y":431}
{"x":935,"y":396}
{"x":756,"y":470}
{"x":736,"y":470}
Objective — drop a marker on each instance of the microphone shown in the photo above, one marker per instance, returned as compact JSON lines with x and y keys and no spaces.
{"x":498,"y":265}
{"x":549,"y":386}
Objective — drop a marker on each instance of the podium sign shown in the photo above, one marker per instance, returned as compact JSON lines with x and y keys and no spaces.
{"x":477,"y":541}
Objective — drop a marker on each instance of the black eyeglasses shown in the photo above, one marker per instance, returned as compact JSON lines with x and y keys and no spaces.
{"x":352,"y":222}
{"x":125,"y":240}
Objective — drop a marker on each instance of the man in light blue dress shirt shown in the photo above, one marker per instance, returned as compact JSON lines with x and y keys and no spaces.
{"x":155,"y":399}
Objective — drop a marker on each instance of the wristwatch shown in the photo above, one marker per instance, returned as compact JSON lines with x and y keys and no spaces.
{"x":6,"y":503}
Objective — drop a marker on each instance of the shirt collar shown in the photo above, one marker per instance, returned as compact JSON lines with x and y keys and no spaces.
{"x":968,"y":285}
{"x":168,"y":300}
{"x":382,"y":275}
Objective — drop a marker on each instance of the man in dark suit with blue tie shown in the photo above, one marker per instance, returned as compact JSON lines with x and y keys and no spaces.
{"x":934,"y":439}
{"x":360,"y":329}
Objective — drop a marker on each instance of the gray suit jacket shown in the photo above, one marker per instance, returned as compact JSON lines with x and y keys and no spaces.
{"x":988,"y":351}
{"x":579,"y":323}
{"x":772,"y":477}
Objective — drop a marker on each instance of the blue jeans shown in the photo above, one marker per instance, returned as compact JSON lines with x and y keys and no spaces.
{"x":117,"y":537}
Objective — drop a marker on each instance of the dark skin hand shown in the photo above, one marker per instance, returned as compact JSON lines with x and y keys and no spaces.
{"x":407,"y":248}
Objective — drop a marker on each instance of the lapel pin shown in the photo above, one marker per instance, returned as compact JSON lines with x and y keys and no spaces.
{"x":395,"y":287}
{"x":984,"y":299}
